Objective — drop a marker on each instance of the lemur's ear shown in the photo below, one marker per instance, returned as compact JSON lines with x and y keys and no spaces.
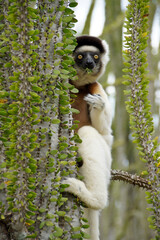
{"x":105,"y":56}
{"x":86,"y":40}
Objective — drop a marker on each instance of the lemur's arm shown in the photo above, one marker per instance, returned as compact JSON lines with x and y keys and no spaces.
{"x":100,"y":112}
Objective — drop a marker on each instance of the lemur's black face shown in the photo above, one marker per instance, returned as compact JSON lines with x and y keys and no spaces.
{"x":89,"y":64}
{"x":87,"y":60}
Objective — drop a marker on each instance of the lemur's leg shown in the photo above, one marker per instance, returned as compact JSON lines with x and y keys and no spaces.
{"x":93,"y":220}
{"x":78,"y":188}
{"x":95,"y":169}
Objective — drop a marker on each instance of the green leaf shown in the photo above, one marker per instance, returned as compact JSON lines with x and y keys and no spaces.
{"x":35,"y":109}
{"x":73,"y":4}
{"x":62,"y":146}
{"x":31,"y":79}
{"x":27,"y":170}
{"x":53,"y":152}
{"x":61,"y":213}
{"x":31,"y":195}
{"x":74,"y":90}
{"x":67,"y":19}
{"x":64,"y":163}
{"x":63,"y":156}
{"x":9,"y":175}
{"x":3,"y":165}
{"x":34,"y":95}
{"x":3,"y":112}
{"x":85,"y":226}
{"x":41,"y":225}
{"x":50,"y":216}
{"x":77,"y":235}
{"x":4,"y":49}
{"x":151,"y":219}
{"x":34,"y":235}
{"x":144,"y":173}
{"x":59,"y":44}
{"x":76,"y":229}
{"x":70,"y":47}
{"x":63,"y":199}
{"x":36,"y":88}
{"x":54,"y":192}
{"x":85,"y":220}
{"x":31,"y":32}
{"x":60,"y":52}
{"x":85,"y":235}
{"x":3,"y":94}
{"x":33,"y":138}
{"x":67,"y":219}
{"x":56,"y":72}
{"x":127,"y":83}
{"x":42,"y":210}
{"x":55,"y":121}
{"x":74,"y":110}
{"x":49,"y":223}
{"x":30,"y":221}
{"x":32,"y":207}
{"x":2,"y":186}
{"x":58,"y":232}
{"x":53,"y":199}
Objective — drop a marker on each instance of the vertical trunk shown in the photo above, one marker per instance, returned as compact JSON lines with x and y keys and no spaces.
{"x":37,"y":137}
{"x":88,"y":20}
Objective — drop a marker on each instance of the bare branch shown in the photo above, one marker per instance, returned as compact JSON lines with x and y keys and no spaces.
{"x":130,"y":178}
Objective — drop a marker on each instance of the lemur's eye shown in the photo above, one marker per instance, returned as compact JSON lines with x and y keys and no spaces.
{"x":96,"y":56}
{"x":80,"y":56}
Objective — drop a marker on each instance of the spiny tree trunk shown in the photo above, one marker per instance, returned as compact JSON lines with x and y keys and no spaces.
{"x":138,"y":105}
{"x":37,"y":140}
{"x":120,"y":225}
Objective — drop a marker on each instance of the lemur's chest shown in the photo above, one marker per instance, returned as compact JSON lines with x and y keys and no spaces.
{"x":80,"y":104}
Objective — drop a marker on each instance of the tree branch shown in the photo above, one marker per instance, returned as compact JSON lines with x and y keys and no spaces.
{"x":130,"y":178}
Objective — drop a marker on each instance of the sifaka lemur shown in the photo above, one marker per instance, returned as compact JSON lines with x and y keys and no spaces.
{"x":91,"y":57}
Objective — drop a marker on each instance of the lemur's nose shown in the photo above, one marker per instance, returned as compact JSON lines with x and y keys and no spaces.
{"x":89,"y":63}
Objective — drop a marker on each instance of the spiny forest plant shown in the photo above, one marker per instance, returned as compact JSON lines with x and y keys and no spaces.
{"x":138,"y":105}
{"x":36,"y":129}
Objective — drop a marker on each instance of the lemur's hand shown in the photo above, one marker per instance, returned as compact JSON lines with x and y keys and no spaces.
{"x":95,"y":101}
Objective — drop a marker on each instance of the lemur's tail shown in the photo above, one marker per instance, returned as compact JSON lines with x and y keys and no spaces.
{"x":93,"y":220}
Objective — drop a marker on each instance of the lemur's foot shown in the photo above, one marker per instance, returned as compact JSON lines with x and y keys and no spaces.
{"x":75,"y":185}
{"x":95,"y":101}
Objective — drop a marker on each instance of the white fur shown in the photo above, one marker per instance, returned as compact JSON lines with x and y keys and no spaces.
{"x":96,"y":154}
{"x":95,"y":151}
{"x":93,"y":216}
{"x":100,"y":114}
{"x":87,"y":48}
{"x":105,"y":57}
